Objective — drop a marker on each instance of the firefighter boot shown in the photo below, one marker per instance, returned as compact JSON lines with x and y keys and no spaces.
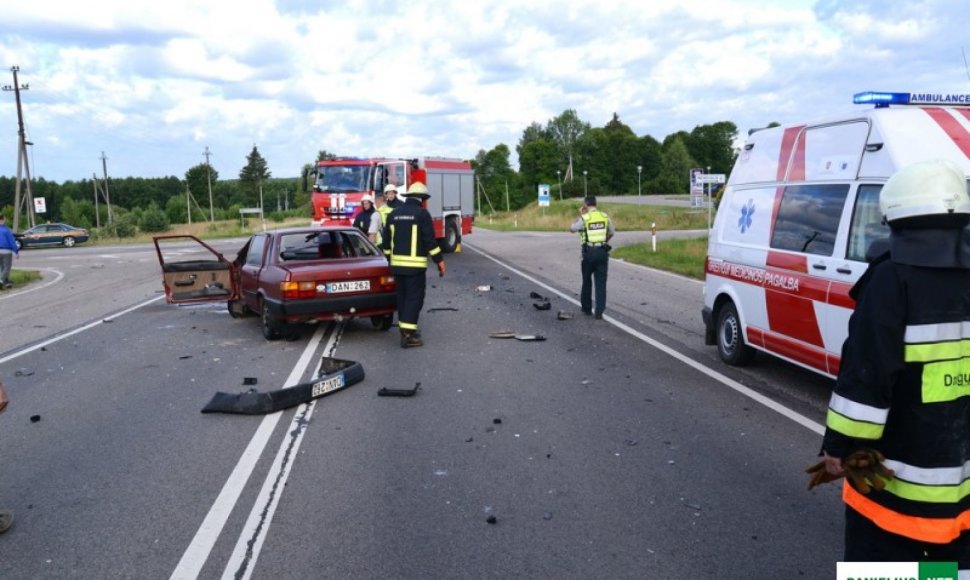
{"x":410,"y":339}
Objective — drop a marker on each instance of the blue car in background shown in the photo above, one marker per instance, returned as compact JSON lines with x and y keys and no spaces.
{"x":52,"y":234}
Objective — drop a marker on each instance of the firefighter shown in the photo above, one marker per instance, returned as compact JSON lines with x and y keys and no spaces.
{"x":901,"y":400}
{"x":408,"y":242}
{"x":368,"y":220}
{"x":595,"y":229}
{"x":390,"y":196}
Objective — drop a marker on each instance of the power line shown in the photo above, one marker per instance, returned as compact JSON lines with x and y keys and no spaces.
{"x":22,"y":163}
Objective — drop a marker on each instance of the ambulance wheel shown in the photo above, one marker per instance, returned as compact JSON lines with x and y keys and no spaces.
{"x":730,"y":339}
{"x":452,"y":237}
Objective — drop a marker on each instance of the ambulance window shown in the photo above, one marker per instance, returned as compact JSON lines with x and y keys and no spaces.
{"x":867,"y":225}
{"x":808,"y":218}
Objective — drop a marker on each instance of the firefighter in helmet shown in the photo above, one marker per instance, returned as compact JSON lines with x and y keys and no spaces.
{"x":408,"y":242}
{"x":390,"y":197}
{"x":898,"y":423}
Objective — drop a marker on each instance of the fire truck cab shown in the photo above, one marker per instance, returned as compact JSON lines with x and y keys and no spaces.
{"x":798,"y":215}
{"x":339,"y":185}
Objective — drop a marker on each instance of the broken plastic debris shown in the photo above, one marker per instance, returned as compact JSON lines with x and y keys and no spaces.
{"x":385,"y":392}
{"x":491,"y":519}
{"x":537,"y":296}
{"x":23,"y":373}
{"x":502,"y":334}
{"x":530,"y":337}
{"x":443,"y":309}
{"x":542,"y":305}
{"x":249,"y":380}
{"x":563,"y":315}
{"x":34,"y":418}
{"x":484,"y":288}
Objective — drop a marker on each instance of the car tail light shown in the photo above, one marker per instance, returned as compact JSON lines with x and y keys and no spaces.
{"x":387,"y":283}
{"x":298,"y":290}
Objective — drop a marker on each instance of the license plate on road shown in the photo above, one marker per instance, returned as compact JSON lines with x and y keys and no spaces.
{"x":325,"y":386}
{"x":351,"y":286}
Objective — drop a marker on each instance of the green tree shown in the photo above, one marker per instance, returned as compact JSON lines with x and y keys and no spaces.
{"x":713,"y":146}
{"x":675,"y":168}
{"x":324,"y":155}
{"x":494,"y":171}
{"x":198,"y":179}
{"x":153,"y":219}
{"x":538,"y":161}
{"x":252,"y":176}
{"x":566,"y":130}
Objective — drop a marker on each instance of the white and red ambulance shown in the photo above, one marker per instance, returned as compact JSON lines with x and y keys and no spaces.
{"x":798,"y":214}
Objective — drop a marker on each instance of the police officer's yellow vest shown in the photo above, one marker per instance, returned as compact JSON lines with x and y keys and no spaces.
{"x":595,"y":226}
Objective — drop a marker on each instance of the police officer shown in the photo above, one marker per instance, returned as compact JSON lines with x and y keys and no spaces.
{"x":902,"y":391}
{"x":595,"y":230}
{"x":408,"y":242}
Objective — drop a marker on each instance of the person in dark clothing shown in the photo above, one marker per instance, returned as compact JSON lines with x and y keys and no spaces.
{"x":902,"y":396}
{"x":368,"y":220}
{"x":595,"y":230}
{"x":408,"y":242}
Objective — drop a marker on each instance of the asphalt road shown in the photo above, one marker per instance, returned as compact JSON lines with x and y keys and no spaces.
{"x":619,"y":448}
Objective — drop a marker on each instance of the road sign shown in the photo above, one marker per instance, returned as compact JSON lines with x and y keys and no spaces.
{"x":40,"y":205}
{"x":543,"y":195}
{"x":711,"y":178}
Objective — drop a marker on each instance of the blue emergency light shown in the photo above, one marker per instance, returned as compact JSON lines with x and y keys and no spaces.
{"x":884,"y":99}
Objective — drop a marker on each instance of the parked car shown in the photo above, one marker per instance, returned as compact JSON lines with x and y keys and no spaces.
{"x":286,"y":276}
{"x":51,"y":234}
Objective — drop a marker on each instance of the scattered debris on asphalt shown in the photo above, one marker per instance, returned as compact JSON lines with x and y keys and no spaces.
{"x":385,"y":392}
{"x":333,"y":375}
{"x":23,"y":372}
{"x":107,"y":320}
{"x":484,"y":288}
{"x":502,"y":334}
{"x":497,"y":420}
{"x":491,"y":519}
{"x":530,"y":337}
{"x":537,"y":296}
{"x":443,"y":309}
{"x":34,"y":418}
{"x":185,"y":356}
{"x":564,"y":315}
{"x":542,"y":305}
{"x":249,"y":380}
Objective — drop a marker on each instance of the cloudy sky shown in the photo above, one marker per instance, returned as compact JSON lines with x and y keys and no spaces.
{"x":153,"y":83}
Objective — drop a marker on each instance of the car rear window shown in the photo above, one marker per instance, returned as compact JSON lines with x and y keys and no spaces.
{"x":324,"y":246}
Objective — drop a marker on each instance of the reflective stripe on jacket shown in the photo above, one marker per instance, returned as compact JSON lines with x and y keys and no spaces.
{"x":408,"y":239}
{"x":595,"y":225}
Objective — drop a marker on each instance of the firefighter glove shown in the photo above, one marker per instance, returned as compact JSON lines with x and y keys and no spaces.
{"x":865,"y":469}
{"x":441,"y":268}
{"x":817,"y":475}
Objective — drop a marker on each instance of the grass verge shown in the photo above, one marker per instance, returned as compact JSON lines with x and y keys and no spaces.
{"x":626,"y":217}
{"x":21,"y":277}
{"x":682,"y":256}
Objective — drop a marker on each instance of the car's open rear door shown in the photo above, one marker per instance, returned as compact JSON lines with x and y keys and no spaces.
{"x":192,"y":271}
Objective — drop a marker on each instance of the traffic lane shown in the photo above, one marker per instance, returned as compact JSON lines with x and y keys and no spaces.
{"x":610,"y":460}
{"x":118,"y":473}
{"x":78,"y":285}
{"x":665,"y":306}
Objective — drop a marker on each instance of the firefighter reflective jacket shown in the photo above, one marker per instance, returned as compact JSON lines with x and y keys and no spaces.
{"x":904,"y":386}
{"x":408,"y":239}
{"x":595,"y":224}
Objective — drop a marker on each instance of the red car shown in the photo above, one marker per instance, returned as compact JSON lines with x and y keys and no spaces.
{"x":286,"y":276}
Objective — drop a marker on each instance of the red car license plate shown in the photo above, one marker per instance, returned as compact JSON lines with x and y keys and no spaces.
{"x":351,"y":286}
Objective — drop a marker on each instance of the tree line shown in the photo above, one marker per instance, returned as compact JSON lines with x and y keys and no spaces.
{"x":609,"y":156}
{"x":603,"y":161}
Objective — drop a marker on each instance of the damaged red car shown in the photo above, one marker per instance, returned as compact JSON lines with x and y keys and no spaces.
{"x":287,"y":277}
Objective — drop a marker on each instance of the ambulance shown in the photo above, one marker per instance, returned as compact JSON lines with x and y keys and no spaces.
{"x":798,"y":216}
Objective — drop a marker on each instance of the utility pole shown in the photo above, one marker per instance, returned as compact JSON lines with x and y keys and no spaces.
{"x":107,"y":196}
{"x":97,"y":212}
{"x":208,"y":176}
{"x":22,"y":162}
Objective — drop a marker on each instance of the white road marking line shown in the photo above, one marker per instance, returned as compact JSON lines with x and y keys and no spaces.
{"x":243,"y":560}
{"x":88,"y":326}
{"x":60,"y":276}
{"x":199,"y":549}
{"x":723,"y":379}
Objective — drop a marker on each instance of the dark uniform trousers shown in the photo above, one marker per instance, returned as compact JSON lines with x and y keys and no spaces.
{"x":596,"y":261}
{"x":410,"y":297}
{"x":867,"y":542}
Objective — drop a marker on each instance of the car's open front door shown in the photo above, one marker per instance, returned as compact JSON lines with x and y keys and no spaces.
{"x":192,"y":271}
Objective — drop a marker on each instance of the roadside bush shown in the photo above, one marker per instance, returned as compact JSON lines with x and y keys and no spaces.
{"x":153,"y":219}
{"x":124,"y":226}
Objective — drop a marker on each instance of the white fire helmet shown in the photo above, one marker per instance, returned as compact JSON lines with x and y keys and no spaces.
{"x":934,"y":187}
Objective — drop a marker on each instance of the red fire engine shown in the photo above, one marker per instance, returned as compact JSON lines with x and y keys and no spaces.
{"x":339,"y":184}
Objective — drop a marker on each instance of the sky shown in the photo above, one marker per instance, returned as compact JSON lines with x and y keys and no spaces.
{"x":152,"y":85}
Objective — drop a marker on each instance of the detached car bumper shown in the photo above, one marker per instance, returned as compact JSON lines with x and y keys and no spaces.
{"x":332,"y":307}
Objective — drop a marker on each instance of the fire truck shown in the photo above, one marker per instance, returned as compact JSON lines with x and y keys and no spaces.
{"x":339,"y":185}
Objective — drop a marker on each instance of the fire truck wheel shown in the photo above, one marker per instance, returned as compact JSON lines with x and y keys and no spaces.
{"x":382,"y":322}
{"x":452,"y":237}
{"x":730,"y":339}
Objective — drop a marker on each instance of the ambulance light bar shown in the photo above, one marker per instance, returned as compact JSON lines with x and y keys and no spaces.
{"x":884,"y":99}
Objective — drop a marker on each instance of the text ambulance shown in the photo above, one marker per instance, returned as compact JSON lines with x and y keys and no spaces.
{"x":798,"y":215}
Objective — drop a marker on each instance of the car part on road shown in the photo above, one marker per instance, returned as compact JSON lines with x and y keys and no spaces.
{"x":484,"y":288}
{"x":502,"y":334}
{"x":564,"y":315}
{"x":530,"y":337}
{"x":333,"y":375}
{"x":443,"y":309}
{"x":537,"y":296}
{"x":385,"y":392}
{"x":542,"y":305}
